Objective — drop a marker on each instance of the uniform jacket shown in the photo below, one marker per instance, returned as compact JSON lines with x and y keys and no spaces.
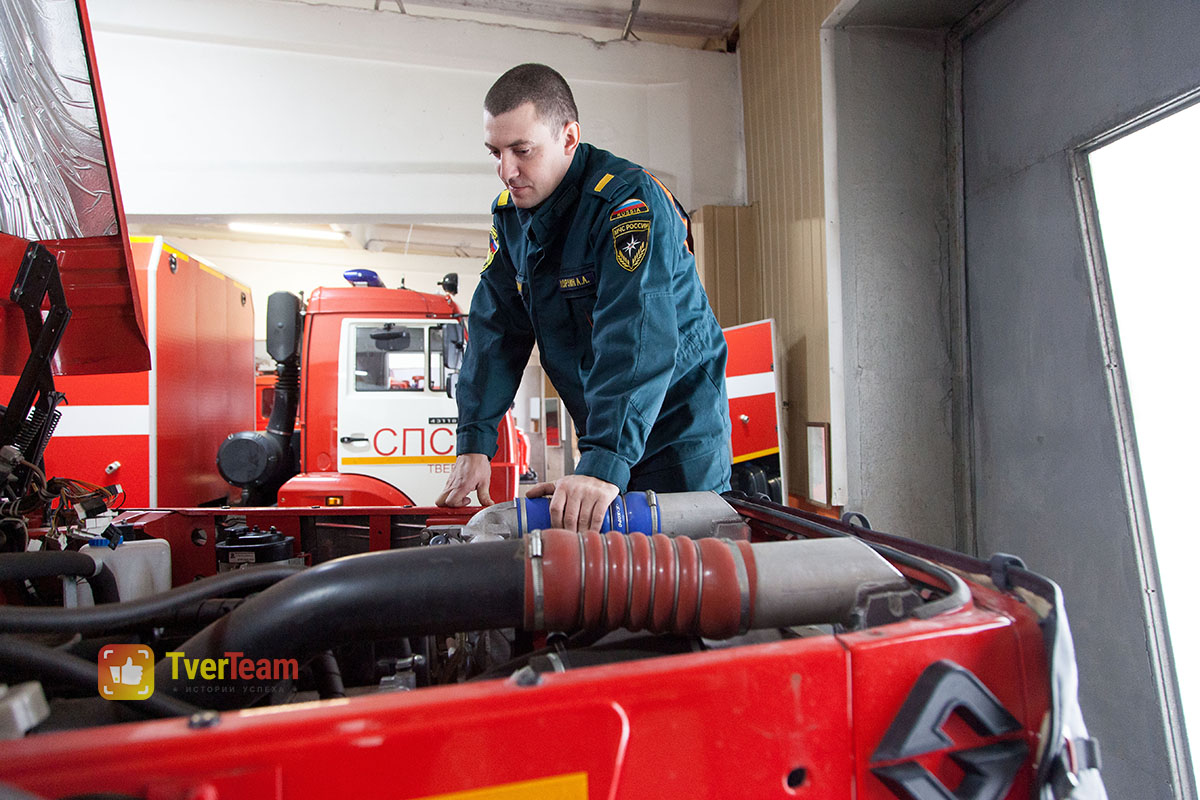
{"x":602,"y":277}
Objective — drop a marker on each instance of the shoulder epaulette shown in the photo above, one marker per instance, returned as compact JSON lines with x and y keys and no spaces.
{"x":609,"y":186}
{"x":503,"y":200}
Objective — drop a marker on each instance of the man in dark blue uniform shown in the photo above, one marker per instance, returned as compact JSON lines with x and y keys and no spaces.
{"x":590,"y":257}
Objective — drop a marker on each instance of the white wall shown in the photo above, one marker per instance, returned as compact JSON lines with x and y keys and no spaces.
{"x":247,"y":107}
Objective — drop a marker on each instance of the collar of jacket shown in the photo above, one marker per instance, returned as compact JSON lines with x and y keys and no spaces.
{"x":547,"y":219}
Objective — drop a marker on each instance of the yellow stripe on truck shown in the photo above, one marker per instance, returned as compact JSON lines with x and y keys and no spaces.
{"x":770,"y":451}
{"x":398,"y":460}
{"x":560,"y":787}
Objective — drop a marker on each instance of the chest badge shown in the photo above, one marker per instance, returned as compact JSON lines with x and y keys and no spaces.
{"x":631,"y":241}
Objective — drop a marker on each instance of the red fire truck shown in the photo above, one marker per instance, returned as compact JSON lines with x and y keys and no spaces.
{"x":363,"y":409}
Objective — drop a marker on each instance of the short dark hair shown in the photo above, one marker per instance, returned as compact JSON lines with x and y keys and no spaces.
{"x":537,"y":84}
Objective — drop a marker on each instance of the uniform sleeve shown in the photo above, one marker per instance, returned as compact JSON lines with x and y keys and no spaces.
{"x":635,"y":334}
{"x":500,"y":340}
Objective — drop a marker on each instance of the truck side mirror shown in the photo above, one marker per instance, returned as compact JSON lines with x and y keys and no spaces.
{"x":452,"y":346}
{"x":453,"y":343}
{"x":449,"y":283}
{"x":283,"y":326}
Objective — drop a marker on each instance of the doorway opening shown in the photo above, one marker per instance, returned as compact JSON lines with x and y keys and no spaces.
{"x":1146,"y":187}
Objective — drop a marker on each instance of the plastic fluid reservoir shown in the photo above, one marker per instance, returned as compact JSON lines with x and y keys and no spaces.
{"x":692,"y":514}
{"x":142,"y":568}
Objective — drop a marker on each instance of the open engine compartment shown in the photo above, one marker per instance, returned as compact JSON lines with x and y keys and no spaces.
{"x":786,"y":640}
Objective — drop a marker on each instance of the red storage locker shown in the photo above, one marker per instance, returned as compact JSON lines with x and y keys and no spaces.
{"x":157,"y":432}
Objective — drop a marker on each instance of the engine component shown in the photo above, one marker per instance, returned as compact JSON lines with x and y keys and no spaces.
{"x":242,"y":547}
{"x":22,"y":708}
{"x":261,"y":461}
{"x":692,"y":514}
{"x":549,"y":580}
{"x":141,"y":568}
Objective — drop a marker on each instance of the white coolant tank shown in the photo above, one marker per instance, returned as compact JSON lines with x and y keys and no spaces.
{"x":142,"y":568}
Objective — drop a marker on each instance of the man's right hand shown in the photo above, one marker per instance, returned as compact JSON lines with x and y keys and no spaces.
{"x":472,"y":473}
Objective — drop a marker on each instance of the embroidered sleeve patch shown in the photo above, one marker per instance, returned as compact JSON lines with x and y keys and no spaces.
{"x":630,"y":243}
{"x":493,"y":246}
{"x":628,"y":209}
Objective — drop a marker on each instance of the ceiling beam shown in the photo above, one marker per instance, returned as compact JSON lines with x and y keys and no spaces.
{"x":647,"y":22}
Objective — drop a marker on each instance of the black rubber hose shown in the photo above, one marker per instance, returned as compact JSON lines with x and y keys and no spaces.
{"x":160,"y":609}
{"x":365,"y":597}
{"x":104,"y":586}
{"x":21,"y":660}
{"x":328,"y":676}
{"x":59,"y":563}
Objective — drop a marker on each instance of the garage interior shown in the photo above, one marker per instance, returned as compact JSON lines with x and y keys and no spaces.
{"x":901,"y":185}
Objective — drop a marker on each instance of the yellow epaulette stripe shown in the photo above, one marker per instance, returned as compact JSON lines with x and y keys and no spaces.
{"x":502,"y":200}
{"x":603,"y":182}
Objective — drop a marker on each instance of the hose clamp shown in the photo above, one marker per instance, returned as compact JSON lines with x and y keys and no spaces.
{"x":534,"y":548}
{"x":655,"y":512}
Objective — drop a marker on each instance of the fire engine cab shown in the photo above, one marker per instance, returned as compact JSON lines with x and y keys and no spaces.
{"x":364,"y":410}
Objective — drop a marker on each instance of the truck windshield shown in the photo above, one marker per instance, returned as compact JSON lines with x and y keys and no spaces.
{"x":389,"y":358}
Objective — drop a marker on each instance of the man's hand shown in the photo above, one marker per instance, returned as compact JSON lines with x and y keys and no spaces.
{"x":472,"y":473}
{"x":577,"y":502}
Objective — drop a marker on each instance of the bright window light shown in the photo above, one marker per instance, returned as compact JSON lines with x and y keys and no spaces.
{"x":288,"y":231}
{"x":1146,"y":196}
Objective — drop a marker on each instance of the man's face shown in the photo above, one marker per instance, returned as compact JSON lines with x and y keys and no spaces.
{"x":531,"y":159}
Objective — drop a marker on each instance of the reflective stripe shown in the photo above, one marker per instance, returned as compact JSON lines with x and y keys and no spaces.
{"x":770,"y":451}
{"x":398,"y":460}
{"x":670,"y":197}
{"x":103,"y":421}
{"x":750,"y":385}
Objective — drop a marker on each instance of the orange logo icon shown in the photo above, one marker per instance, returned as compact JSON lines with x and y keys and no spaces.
{"x":125,"y":672}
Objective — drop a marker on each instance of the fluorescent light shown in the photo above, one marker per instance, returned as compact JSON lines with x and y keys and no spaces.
{"x":287,"y":231}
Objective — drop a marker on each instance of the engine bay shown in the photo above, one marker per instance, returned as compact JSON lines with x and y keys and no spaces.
{"x":278,"y":606}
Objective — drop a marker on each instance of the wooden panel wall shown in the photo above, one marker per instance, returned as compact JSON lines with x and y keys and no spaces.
{"x":727,"y":241}
{"x":781,"y":90}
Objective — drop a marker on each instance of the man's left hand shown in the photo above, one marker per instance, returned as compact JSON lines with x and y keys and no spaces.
{"x":577,"y":502}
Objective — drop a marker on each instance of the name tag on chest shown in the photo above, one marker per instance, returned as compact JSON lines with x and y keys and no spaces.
{"x":574,"y":285}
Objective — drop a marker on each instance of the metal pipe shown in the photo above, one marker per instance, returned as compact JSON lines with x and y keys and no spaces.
{"x":691,"y":514}
{"x":633,"y":10}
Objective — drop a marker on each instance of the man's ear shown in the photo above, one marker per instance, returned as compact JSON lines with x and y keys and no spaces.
{"x":570,"y":138}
